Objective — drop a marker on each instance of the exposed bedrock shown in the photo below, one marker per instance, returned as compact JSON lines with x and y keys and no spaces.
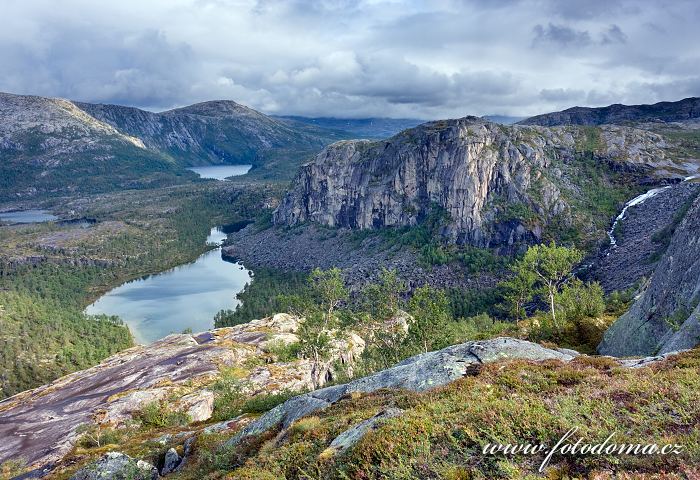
{"x":475,"y":171}
{"x":666,"y":317}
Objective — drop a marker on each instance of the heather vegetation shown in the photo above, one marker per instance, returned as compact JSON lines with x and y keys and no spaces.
{"x":442,"y":432}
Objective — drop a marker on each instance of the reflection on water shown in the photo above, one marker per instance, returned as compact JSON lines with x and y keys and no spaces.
{"x":221,"y":172}
{"x":27,"y":216}
{"x":185,"y":297}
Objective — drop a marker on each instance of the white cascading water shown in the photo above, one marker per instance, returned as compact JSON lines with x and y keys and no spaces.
{"x":638,"y":201}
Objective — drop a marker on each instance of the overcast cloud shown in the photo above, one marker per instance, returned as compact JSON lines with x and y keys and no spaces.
{"x":353,"y":58}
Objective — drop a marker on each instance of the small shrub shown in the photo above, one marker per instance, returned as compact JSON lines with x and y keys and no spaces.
{"x":284,"y":352}
{"x":95,"y":436}
{"x":12,"y":468}
{"x":618,"y":302}
{"x":479,"y":327}
{"x":228,"y":395}
{"x":307,"y":424}
{"x":158,"y":415}
{"x":264,"y":403}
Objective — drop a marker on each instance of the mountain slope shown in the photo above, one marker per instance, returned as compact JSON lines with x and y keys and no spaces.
{"x":497,"y":185}
{"x":50,"y":146}
{"x":57,"y":147}
{"x":372,"y":128}
{"x":667,"y":316}
{"x":682,"y":110}
{"x":215,"y":132}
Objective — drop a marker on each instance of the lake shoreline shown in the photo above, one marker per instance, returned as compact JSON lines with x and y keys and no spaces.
{"x":184,"y":296}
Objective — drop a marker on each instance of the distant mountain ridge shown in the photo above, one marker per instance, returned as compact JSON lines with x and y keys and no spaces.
{"x":370,"y":128}
{"x":214,"y":132}
{"x":503,"y":119}
{"x":680,"y":111}
{"x":52,"y":146}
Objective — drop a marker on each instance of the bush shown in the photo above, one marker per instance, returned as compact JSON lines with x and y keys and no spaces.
{"x":618,"y":302}
{"x":158,"y":415}
{"x":479,"y":327}
{"x":263,"y":403}
{"x":284,"y":352}
{"x":577,"y":301}
{"x":228,"y":395}
{"x":93,"y":436}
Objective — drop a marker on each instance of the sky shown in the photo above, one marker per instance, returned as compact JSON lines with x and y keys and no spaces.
{"x":354,"y":58}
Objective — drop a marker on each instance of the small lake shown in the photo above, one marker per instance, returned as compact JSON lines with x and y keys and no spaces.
{"x":27,"y":216}
{"x":221,"y":172}
{"x":187,"y":296}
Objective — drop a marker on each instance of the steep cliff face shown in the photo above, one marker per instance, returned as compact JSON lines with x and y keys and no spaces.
{"x":680,"y":111}
{"x":499,"y":185}
{"x":666,"y":317}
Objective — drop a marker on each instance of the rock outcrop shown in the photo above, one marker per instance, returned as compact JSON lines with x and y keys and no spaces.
{"x":40,"y":425}
{"x":498,"y":185}
{"x":418,"y":373}
{"x":666,"y":317}
{"x":354,"y":434}
{"x":683,"y":110}
{"x":117,"y":466}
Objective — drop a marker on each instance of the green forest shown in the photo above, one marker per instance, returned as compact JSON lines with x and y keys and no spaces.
{"x":43,"y":331}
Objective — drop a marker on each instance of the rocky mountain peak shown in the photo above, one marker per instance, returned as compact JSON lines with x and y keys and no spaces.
{"x":216,"y":108}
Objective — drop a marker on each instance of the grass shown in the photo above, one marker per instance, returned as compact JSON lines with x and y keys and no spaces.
{"x":443,"y":431}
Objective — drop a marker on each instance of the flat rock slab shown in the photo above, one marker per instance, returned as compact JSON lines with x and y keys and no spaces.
{"x":40,"y":425}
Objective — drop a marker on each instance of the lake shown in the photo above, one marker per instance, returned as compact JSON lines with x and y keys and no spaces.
{"x":27,"y":216}
{"x":185,"y":297}
{"x":221,"y":172}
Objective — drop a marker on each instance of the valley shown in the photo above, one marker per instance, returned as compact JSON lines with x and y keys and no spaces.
{"x":350,"y":259}
{"x":62,"y":267}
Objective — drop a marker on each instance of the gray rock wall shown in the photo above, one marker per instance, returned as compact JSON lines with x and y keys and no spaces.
{"x":666,"y":317}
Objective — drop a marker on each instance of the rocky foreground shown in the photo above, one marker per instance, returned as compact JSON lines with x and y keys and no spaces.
{"x":41,"y":425}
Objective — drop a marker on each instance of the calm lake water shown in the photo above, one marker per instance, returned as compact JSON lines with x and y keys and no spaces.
{"x":27,"y":216}
{"x":187,"y":296}
{"x":221,"y":172}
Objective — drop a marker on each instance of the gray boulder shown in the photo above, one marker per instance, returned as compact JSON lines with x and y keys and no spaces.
{"x":354,"y":434}
{"x":417,"y":373}
{"x":170,"y":462}
{"x":117,"y":466}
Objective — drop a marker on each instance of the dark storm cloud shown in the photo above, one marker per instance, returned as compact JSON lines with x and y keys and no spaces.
{"x":614,"y":34}
{"x":561,"y":36}
{"x":429,"y":59}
